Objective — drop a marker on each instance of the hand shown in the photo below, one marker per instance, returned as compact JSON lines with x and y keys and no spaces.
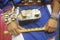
{"x":51,"y":25}
{"x":14,"y":28}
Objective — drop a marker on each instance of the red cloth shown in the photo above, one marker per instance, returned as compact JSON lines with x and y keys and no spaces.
{"x":3,"y":27}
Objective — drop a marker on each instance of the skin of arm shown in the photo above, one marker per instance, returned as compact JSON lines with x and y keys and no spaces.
{"x":52,"y":23}
{"x":13,"y":26}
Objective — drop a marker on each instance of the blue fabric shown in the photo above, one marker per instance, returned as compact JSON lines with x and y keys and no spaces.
{"x":4,"y":3}
{"x":39,"y":23}
{"x":16,"y":1}
{"x":47,"y":0}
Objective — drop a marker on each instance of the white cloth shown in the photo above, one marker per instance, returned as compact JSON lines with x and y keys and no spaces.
{"x":18,"y":37}
{"x":49,"y":8}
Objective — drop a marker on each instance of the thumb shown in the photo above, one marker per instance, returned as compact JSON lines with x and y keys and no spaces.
{"x":20,"y":27}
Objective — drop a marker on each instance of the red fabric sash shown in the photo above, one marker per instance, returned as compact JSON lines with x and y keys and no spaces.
{"x":3,"y":27}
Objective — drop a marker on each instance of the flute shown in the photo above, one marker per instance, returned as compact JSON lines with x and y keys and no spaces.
{"x":29,"y":30}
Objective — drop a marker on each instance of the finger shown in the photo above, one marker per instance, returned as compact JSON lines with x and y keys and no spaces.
{"x":53,"y":30}
{"x":14,"y":31}
{"x":50,"y":30}
{"x":54,"y":27}
{"x":11,"y":32}
{"x":47,"y":28}
{"x":17,"y":30}
{"x":20,"y":27}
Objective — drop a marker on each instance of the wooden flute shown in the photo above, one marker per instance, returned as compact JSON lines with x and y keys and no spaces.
{"x":28,"y":30}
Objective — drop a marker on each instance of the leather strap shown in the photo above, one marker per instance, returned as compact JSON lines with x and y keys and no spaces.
{"x":28,"y":2}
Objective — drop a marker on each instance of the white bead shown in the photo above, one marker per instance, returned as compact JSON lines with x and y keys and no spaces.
{"x":6,"y":15}
{"x":9,"y":19}
{"x":5,"y":19}
{"x":10,"y":14}
{"x":13,"y":19}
